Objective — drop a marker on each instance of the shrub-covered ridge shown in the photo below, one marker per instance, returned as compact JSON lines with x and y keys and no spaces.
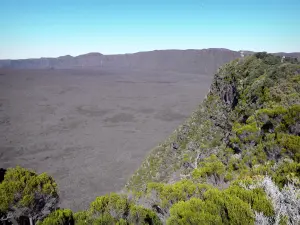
{"x":248,"y":126}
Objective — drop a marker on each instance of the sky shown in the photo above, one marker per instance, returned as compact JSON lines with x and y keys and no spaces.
{"x":40,"y":28}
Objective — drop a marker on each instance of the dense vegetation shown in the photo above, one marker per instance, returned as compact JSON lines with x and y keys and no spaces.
{"x":236,"y":160}
{"x":24,"y":193}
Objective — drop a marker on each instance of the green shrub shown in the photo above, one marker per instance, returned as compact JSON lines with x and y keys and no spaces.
{"x":113,"y":202}
{"x":291,"y":145}
{"x":286,"y":172}
{"x":140,"y":215}
{"x":231,"y":208}
{"x":82,"y":218}
{"x":104,"y":219}
{"x":193,"y":212}
{"x":23,"y":193}
{"x":216,"y":208}
{"x":113,"y":208}
{"x":210,"y":166}
{"x":256,"y":198}
{"x":179,"y":191}
{"x":58,"y":217}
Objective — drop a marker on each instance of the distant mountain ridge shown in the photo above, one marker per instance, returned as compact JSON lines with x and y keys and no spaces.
{"x":204,"y":61}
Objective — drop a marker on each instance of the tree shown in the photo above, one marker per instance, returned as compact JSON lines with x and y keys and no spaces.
{"x":25,"y":193}
{"x":117,"y":209}
{"x":58,"y":217}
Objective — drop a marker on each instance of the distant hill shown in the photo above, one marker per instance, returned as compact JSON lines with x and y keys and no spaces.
{"x":205,"y":61}
{"x":291,"y":54}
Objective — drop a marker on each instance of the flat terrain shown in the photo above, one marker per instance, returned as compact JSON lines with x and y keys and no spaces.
{"x":90,"y":129}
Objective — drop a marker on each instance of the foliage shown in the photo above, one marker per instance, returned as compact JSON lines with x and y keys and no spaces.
{"x":116,"y":209}
{"x":210,"y":167}
{"x":193,"y":211}
{"x":287,"y":171}
{"x":169,"y":194}
{"x":57,"y":217}
{"x":256,"y":198}
{"x":25,"y":193}
{"x":216,"y":208}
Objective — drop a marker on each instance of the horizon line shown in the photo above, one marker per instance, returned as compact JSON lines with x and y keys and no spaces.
{"x":130,"y":53}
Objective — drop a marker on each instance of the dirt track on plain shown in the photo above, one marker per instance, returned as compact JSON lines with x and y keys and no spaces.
{"x":90,"y":129}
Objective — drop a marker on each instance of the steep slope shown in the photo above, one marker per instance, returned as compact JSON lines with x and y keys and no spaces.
{"x":251,"y":112}
{"x":236,"y":160}
{"x":246,"y":128}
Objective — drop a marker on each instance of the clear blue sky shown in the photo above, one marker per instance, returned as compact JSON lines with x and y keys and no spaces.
{"x":36,"y":28}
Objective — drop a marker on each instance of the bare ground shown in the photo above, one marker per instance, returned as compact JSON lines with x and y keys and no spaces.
{"x":90,"y":129}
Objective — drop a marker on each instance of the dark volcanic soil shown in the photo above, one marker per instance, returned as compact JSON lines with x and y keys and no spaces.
{"x":90,"y":129}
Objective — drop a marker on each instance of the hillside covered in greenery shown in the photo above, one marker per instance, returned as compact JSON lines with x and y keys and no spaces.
{"x":236,"y":160}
